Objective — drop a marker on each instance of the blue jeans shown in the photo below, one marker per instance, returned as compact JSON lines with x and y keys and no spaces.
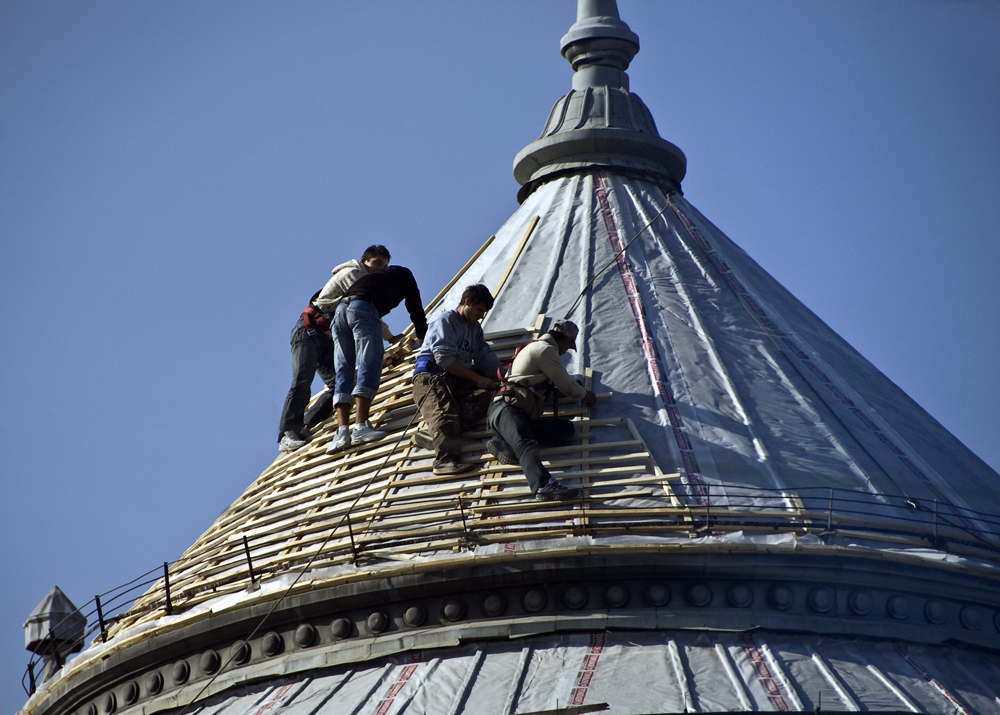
{"x":357,"y":341}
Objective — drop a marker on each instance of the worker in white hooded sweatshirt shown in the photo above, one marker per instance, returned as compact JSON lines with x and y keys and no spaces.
{"x":312,"y":350}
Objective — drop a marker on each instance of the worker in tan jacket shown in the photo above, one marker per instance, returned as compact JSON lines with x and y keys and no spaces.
{"x":312,"y":349}
{"x":534,"y":377}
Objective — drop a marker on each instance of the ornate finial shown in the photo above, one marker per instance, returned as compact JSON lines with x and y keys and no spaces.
{"x":599,"y":46}
{"x":599,"y":123}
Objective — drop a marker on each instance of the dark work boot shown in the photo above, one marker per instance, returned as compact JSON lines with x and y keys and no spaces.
{"x":501,"y":451}
{"x":554,"y":491}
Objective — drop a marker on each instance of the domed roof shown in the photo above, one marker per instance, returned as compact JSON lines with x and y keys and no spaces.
{"x":764,"y":515}
{"x":743,"y":470}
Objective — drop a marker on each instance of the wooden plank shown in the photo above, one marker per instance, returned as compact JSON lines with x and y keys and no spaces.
{"x":402,"y":350}
{"x":667,"y":486}
{"x":461,"y":272}
{"x":517,"y":254}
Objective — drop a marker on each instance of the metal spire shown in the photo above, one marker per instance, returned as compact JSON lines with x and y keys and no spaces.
{"x":599,"y":46}
{"x":599,"y":123}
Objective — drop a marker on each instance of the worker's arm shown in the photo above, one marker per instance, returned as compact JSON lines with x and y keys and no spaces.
{"x":486,"y":361}
{"x":442,"y":340}
{"x":459,"y":370}
{"x":415,"y":308}
{"x":549,"y":363}
{"x":387,"y":334}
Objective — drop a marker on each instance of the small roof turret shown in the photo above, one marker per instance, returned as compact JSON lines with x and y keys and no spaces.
{"x":599,"y":123}
{"x":55,"y":619}
{"x":53,"y":630}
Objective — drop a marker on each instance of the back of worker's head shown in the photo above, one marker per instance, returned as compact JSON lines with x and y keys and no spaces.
{"x":477,"y":295}
{"x":376,"y":251}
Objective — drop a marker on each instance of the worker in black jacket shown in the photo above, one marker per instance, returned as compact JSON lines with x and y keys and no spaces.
{"x":357,"y":338}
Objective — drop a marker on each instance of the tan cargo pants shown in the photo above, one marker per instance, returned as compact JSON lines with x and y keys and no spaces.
{"x":449,"y":406}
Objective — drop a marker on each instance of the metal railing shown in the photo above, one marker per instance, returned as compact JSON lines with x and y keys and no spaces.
{"x":107,"y":607}
{"x":823,"y":511}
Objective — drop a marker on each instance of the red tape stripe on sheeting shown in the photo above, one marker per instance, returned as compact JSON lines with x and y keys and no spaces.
{"x":273,"y":701}
{"x":765,"y":320}
{"x":404,"y":677}
{"x":586,"y":674}
{"x":653,"y":362}
{"x":904,"y":650}
{"x":764,"y":673}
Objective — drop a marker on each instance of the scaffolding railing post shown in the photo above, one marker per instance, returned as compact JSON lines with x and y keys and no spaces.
{"x":350,"y":532}
{"x":246,"y":548}
{"x":708,"y":507}
{"x":829,"y":512}
{"x":166,"y":587}
{"x":465,"y":526}
{"x":100,"y":619}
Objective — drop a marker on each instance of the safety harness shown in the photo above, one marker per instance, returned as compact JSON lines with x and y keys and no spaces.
{"x":313,"y":318}
{"x":504,"y":383}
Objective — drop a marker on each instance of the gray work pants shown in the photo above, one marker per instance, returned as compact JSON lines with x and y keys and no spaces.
{"x":310,"y":354}
{"x":526,"y":436}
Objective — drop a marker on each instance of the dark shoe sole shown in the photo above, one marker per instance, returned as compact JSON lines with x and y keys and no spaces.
{"x":450,"y":470}
{"x":501,"y":452}
{"x":423,"y":441}
{"x":566,"y":495}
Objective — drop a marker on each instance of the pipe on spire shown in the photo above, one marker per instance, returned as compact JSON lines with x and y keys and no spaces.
{"x":599,"y":46}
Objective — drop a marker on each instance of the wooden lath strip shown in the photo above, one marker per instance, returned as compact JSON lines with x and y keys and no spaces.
{"x":667,"y":486}
{"x":517,"y":254}
{"x":303,"y":497}
{"x":393,"y":356}
{"x":423,"y":501}
{"x":425,"y":507}
{"x":478,"y":446}
{"x":386,"y":490}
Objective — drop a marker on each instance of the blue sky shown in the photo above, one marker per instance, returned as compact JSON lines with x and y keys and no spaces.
{"x":176,"y":179}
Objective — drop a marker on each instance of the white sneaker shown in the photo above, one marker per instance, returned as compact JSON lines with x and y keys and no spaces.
{"x":290,"y":442}
{"x":362,"y":434}
{"x":341,"y":441}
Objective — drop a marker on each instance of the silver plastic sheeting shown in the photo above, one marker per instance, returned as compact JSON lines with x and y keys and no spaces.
{"x":728,"y":377}
{"x":641,"y":672}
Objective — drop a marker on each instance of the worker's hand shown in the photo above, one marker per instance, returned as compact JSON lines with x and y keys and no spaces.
{"x":395,"y":339}
{"x":485,"y":383}
{"x":590,"y":400}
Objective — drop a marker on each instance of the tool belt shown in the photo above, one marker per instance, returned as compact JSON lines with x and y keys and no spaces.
{"x":523,"y":398}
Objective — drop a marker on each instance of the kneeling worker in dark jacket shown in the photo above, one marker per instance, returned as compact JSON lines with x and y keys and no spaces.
{"x":515,"y":413}
{"x":452,"y":381}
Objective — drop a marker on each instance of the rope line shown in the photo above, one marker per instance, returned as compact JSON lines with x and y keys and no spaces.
{"x":305,"y":569}
{"x":618,"y":254}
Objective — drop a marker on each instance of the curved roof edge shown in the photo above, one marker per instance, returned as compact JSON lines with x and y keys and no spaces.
{"x":345,"y":620}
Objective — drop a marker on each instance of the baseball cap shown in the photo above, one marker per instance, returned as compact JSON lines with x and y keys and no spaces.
{"x":567,"y":328}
